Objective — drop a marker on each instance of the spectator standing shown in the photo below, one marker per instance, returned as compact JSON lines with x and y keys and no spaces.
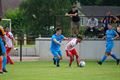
{"x":73,"y":13}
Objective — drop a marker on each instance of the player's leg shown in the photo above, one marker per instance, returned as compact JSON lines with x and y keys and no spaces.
{"x":71,"y":56}
{"x":4,"y":63}
{"x":54,"y":56}
{"x":54,"y":61}
{"x":77,"y":60}
{"x":114,"y":57}
{"x":103,"y":59}
{"x":59,"y":58}
{"x":107,"y":53}
{"x":7,"y":52}
{"x":4,"y":56}
{"x":77,"y":56}
{"x":9,"y":60}
{"x":1,"y":72}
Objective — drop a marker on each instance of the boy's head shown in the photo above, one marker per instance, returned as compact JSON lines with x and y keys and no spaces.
{"x":79,"y":38}
{"x":74,"y":8}
{"x":109,"y":26}
{"x":108,"y":13}
{"x":7,"y":29}
{"x":58,"y":31}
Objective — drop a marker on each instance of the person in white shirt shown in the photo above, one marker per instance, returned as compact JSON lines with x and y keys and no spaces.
{"x":92,"y":25}
{"x":71,"y":50}
{"x":10,"y":40}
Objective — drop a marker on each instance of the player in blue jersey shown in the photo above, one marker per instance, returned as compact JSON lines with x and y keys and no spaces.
{"x":55,"y":46}
{"x":111,"y":35}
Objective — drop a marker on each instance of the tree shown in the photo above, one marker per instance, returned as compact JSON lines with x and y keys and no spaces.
{"x":17,"y":20}
{"x":40,"y":15}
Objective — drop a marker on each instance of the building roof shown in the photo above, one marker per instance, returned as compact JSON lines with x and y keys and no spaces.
{"x":10,"y":4}
{"x":100,"y":10}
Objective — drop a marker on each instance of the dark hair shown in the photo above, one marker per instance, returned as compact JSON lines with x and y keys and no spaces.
{"x":58,"y":28}
{"x":79,"y":36}
{"x":110,"y":24}
{"x":74,"y":6}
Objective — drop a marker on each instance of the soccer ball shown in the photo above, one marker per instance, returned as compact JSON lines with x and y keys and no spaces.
{"x":82,"y":64}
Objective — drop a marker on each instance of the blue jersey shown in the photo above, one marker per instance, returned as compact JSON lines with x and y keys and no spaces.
{"x":109,"y":35}
{"x":54,"y":46}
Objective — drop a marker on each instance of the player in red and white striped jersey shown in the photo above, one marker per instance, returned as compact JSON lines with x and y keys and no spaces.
{"x":71,"y":50}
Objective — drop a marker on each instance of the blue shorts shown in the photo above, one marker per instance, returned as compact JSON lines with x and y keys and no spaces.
{"x":109,"y":48}
{"x":56,"y":53}
{"x":2,"y":47}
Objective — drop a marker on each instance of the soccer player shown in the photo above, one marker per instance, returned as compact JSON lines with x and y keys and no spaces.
{"x":111,"y":35}
{"x":1,"y":63}
{"x":1,"y":72}
{"x":71,"y":51}
{"x":3,"y":49}
{"x":55,"y":46}
{"x":9,"y":45}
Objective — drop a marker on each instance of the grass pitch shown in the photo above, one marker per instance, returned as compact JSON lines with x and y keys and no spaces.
{"x":47,"y":71}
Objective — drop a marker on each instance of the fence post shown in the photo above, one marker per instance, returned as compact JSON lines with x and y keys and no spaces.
{"x":21,"y":39}
{"x":16,"y":38}
{"x":25,"y":39}
{"x":39,"y":35}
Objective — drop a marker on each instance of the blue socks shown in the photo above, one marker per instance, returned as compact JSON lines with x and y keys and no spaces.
{"x":54,"y":60}
{"x":58,"y":61}
{"x":4,"y":62}
{"x":104,"y":58}
{"x":114,"y":57}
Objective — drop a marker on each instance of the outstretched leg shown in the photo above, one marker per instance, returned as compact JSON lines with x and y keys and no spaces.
{"x":1,"y":65}
{"x":9,"y":60}
{"x":103,"y":58}
{"x":4,"y":63}
{"x":114,"y":57}
{"x":69,"y":54}
{"x":71,"y":60}
{"x":77,"y":60}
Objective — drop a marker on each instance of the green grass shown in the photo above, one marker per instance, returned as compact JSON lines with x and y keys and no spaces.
{"x":47,"y":71}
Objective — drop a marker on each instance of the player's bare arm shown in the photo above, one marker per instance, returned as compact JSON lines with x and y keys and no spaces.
{"x":56,"y":41}
{"x":14,"y":41}
{"x":65,"y":38}
{"x":116,"y":37}
{"x":71,"y":14}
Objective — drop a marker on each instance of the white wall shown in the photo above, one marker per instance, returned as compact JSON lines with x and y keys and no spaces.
{"x":88,"y":49}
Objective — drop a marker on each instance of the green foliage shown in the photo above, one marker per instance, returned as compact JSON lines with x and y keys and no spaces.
{"x":40,"y":15}
{"x":82,"y":30}
{"x":17,"y":20}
